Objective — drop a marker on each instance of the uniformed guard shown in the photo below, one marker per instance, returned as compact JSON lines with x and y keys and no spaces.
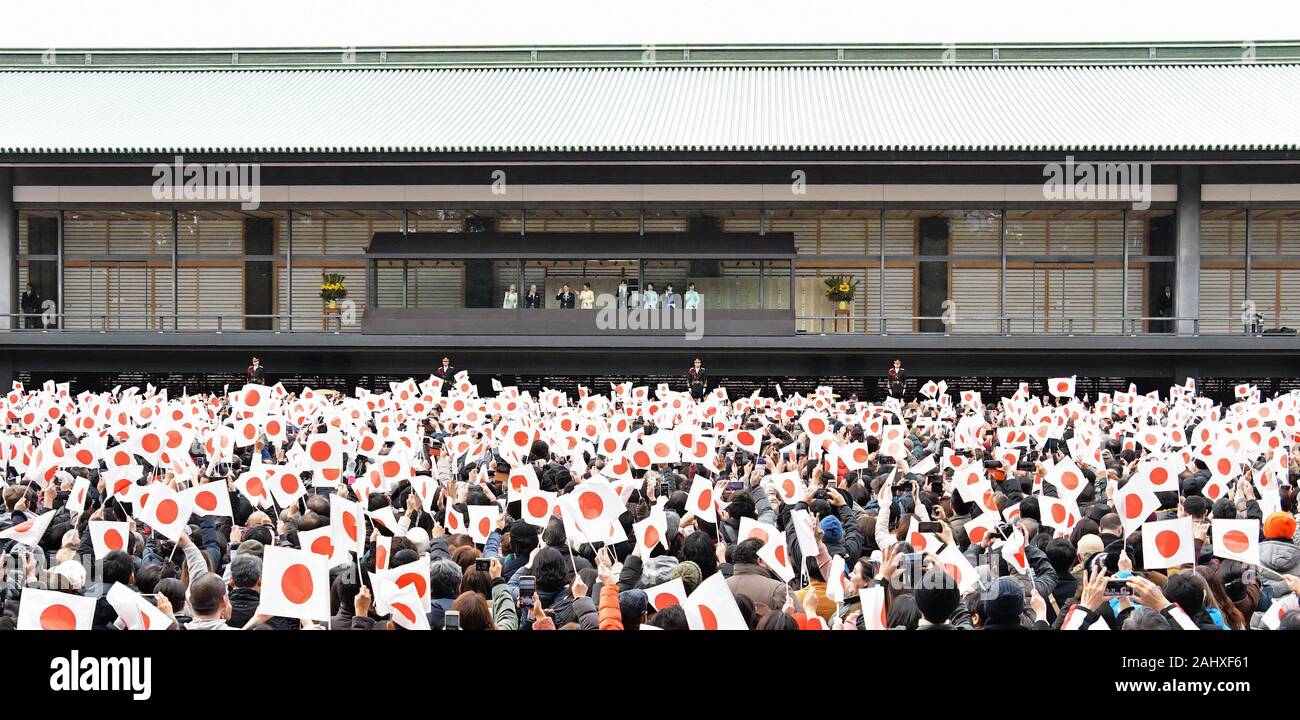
{"x":697,"y":379}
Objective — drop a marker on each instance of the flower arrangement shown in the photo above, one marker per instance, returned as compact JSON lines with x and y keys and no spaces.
{"x":332,"y":288}
{"x":841,"y":288}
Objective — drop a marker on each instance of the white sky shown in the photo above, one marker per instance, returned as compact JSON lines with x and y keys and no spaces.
{"x":260,"y":23}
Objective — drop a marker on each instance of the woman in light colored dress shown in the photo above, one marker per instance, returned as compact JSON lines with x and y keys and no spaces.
{"x":512,"y":299}
{"x":692,"y":298}
{"x":651,"y":297}
{"x":586,"y":298}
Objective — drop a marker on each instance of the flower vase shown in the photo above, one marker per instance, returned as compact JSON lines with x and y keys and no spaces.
{"x":844,"y":305}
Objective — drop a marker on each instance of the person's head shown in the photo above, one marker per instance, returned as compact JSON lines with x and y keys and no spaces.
{"x":117,"y":567}
{"x":669,"y":288}
{"x":532,"y":288}
{"x":632,"y":607}
{"x":672,"y":617}
{"x":586,"y":286}
{"x":1110,"y":524}
{"x":1183,"y":589}
{"x":474,"y":612}
{"x":564,"y":288}
{"x":649,"y":286}
{"x":256,"y":361}
{"x":1003,"y":602}
{"x":444,"y":579}
{"x":699,"y":548}
{"x":172,"y":589}
{"x":512,"y":287}
{"x":446,"y":361}
{"x":937,"y":597}
{"x":897,"y":363}
{"x":1196,"y":506}
{"x":777,"y":620}
{"x":246,"y":572}
{"x":746,"y":552}
{"x":1144,"y":618}
{"x":698,"y":362}
{"x":29,"y":287}
{"x":551,"y":570}
{"x":208,"y":596}
{"x":1061,"y":554}
{"x":690,"y":286}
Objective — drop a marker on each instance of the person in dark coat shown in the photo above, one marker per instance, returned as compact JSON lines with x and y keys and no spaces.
{"x":533,"y":299}
{"x":31,"y":306}
{"x":445,"y":372}
{"x":897,"y":380}
{"x":256,"y":374}
{"x":697,"y":379}
{"x":566,"y":298}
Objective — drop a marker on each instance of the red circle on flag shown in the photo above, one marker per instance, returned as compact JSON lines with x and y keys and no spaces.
{"x":661,"y":449}
{"x":112,"y":539}
{"x":977,"y":534}
{"x":918,"y":541}
{"x":150,"y":442}
{"x":350,"y":526}
{"x":591,"y":505}
{"x":641,"y":458}
{"x":296,"y":584}
{"x":167,"y":511}
{"x":289,"y":483}
{"x":416,"y":580}
{"x":206,"y":500}
{"x":521,"y":438}
{"x":1224,"y":466}
{"x":707,"y":618}
{"x":1063,"y":386}
{"x":58,"y":617}
{"x":537,"y":506}
{"x":323,"y":546}
{"x":1236,"y":541}
{"x":484,"y":527}
{"x":252,"y":397}
{"x":1069,"y":479}
{"x":406,"y":612}
{"x":817,"y":426}
{"x":705,"y":501}
{"x":745,"y":437}
{"x":1167,"y":543}
{"x":651,"y":536}
{"x":320,"y":451}
{"x":1159,"y":476}
{"x":255,"y":487}
{"x":780,"y":555}
{"x":860,"y":455}
{"x":1133,"y":506}
{"x":665,"y":600}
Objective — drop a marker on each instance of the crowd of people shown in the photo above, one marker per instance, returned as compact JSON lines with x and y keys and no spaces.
{"x":428,"y":506}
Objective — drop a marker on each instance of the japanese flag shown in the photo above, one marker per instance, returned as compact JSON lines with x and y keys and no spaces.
{"x":746,"y":439}
{"x":788,"y":487}
{"x":209,"y":499}
{"x":653,"y":530}
{"x":50,"y":610}
{"x":1135,"y":502}
{"x":1167,"y":544}
{"x":295,"y":584}
{"x":700,"y":502}
{"x":77,"y":497}
{"x":285,"y":485}
{"x":522,"y":478}
{"x":325,"y":454}
{"x":536,"y":507}
{"x":713,"y":607}
{"x":1062,"y":387}
{"x":955,"y":564}
{"x":106,"y":537}
{"x":816,"y":425}
{"x":667,"y":594}
{"x":1214,"y":488}
{"x":1236,"y":540}
{"x":978,"y":527}
{"x":414,"y":575}
{"x":345,"y":523}
{"x":136,"y":612}
{"x":321,"y":542}
{"x":383,"y":550}
{"x":166,"y":511}
{"x":873,"y":608}
{"x":1067,"y":478}
{"x":30,"y":531}
{"x":855,"y":456}
{"x":482,"y":521}
{"x":403,"y":605}
{"x":455,"y":521}
{"x":252,"y":485}
{"x":1013,"y":551}
{"x":661,"y":448}
{"x":774,"y":551}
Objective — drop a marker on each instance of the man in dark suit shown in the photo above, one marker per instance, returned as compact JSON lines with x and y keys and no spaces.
{"x":533,"y":299}
{"x":256,"y":373}
{"x":697,"y":379}
{"x":446,"y":372}
{"x":566,"y":298}
{"x":31,"y":306}
{"x":897,"y":380}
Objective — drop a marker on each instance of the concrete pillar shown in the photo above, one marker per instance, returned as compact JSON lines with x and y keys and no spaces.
{"x":8,"y":250}
{"x":1187,"y":269}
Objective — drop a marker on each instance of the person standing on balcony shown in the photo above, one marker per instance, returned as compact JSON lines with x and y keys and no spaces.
{"x":622,"y":293}
{"x":670,"y":297}
{"x":445,"y":372}
{"x":256,"y":373}
{"x":511,"y":300}
{"x":897,"y":380}
{"x":651,"y":297}
{"x":697,"y":379}
{"x":30,"y":302}
{"x":691,"y":297}
{"x":533,"y":299}
{"x":566,"y":298}
{"x":587,"y":298}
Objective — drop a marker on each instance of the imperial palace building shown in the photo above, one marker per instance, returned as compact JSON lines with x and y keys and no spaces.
{"x":988,"y":213}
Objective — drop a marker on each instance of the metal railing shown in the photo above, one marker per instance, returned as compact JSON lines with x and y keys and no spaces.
{"x":1012,"y":325}
{"x":321,"y":323}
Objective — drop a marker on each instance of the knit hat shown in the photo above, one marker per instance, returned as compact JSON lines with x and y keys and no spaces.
{"x":690,"y":574}
{"x":1279,"y":526}
{"x":1004,"y":600}
{"x":632,"y":603}
{"x":250,"y":547}
{"x":832,"y":530}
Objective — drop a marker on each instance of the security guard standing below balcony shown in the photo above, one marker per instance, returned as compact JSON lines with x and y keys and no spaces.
{"x":897,"y":382}
{"x":697,"y":379}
